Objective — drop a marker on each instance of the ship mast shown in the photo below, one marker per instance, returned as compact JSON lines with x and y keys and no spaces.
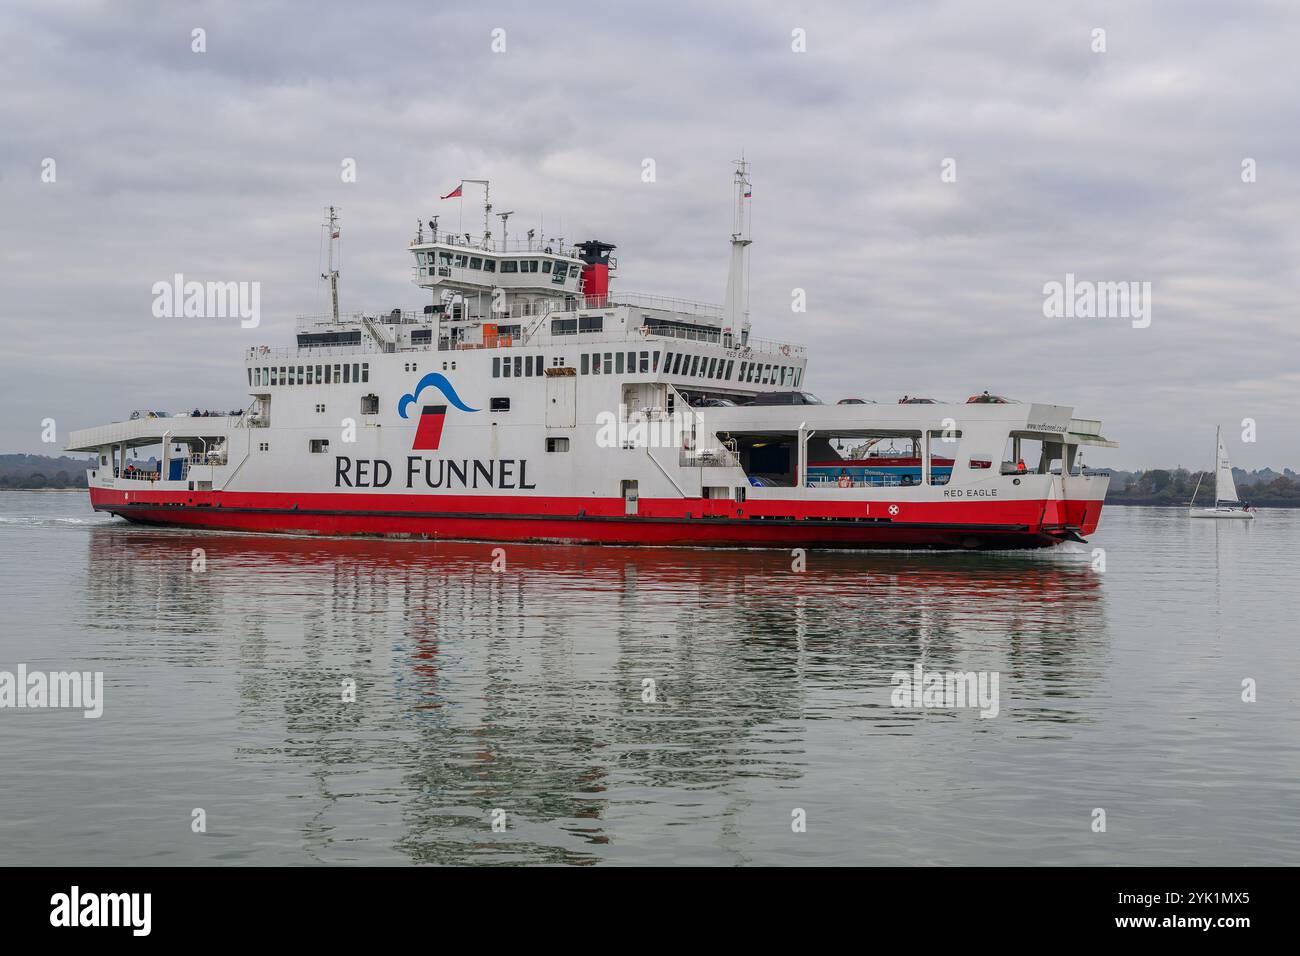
{"x":487,"y":210}
{"x":734,"y":309}
{"x":333,"y":274}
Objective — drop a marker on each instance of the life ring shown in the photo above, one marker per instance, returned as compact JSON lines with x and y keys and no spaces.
{"x":845,"y":481}
{"x":785,"y":350}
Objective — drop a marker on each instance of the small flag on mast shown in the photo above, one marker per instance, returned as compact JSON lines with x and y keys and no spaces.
{"x":334,"y":235}
{"x":749,"y":194}
{"x":455,"y":193}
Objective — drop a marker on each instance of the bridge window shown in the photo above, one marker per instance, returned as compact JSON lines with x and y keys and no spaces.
{"x":618,"y":363}
{"x":509,"y":265}
{"x":584,"y":360}
{"x":476,"y":262}
{"x":489,"y":265}
{"x":654,"y":360}
{"x":591,"y":323}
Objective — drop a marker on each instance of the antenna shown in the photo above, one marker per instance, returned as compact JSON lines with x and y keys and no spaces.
{"x":333,"y":274}
{"x":433,"y":227}
{"x":503,"y":216}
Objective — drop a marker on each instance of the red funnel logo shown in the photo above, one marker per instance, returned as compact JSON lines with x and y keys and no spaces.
{"x":429,"y":432}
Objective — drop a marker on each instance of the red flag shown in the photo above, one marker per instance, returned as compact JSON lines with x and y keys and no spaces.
{"x":454,"y":194}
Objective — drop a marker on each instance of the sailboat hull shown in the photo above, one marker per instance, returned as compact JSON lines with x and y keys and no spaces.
{"x":1224,"y":513}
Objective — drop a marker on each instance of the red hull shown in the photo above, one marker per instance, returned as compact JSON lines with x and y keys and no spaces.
{"x":668,"y":522}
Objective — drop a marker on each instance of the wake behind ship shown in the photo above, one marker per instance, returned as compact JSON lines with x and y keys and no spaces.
{"x":531,"y":402}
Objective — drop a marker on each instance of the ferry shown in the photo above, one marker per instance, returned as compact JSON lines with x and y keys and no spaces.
{"x":531,"y":401}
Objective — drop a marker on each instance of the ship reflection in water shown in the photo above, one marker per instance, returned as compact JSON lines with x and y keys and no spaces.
{"x":525,"y":689}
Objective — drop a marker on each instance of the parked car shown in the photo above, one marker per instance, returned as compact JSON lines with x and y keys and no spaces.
{"x":986,"y":399}
{"x":908,"y":400}
{"x":714,"y":403}
{"x":857,"y":401}
{"x":785,"y":398}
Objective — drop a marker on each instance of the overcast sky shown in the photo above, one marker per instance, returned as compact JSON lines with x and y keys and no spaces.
{"x":1114,"y":166}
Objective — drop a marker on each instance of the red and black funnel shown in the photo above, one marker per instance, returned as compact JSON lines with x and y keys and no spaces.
{"x":595,"y":270}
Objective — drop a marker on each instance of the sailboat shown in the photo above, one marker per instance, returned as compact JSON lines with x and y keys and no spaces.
{"x":1226,"y":502}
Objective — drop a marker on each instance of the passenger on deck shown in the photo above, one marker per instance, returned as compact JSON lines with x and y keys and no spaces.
{"x":1020,"y":466}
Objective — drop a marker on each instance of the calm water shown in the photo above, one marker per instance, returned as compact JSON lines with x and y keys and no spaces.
{"x":522,"y":691}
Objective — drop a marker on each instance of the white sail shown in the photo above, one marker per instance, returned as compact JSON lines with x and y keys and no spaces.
{"x":1224,"y":488}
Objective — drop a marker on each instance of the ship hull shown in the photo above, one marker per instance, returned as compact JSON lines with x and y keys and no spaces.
{"x":701,"y":523}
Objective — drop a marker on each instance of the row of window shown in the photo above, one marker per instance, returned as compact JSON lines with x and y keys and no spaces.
{"x":321,"y":446}
{"x":647,"y":362}
{"x":618,"y":363}
{"x":517,"y":366}
{"x":527,"y":366}
{"x":445,"y":260}
{"x":345,"y":373}
{"x":755,"y":373}
{"x":583,"y":323}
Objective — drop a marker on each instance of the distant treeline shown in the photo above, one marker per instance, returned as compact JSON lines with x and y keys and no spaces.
{"x":1160,"y":486}
{"x":42,"y":471}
